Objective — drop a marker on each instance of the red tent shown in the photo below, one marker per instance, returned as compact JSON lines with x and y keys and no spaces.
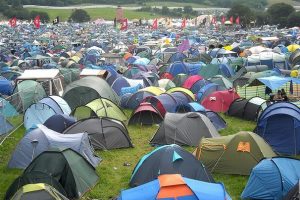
{"x":190,"y":81}
{"x":219,"y":101}
{"x":145,"y":114}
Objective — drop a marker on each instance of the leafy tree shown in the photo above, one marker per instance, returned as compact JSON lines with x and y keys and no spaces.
{"x":3,"y":5}
{"x":187,"y":9}
{"x":262,"y":18}
{"x":80,"y":15}
{"x":293,"y":19}
{"x":16,"y":4}
{"x":279,"y":13}
{"x":43,"y":16}
{"x":165,"y":10}
{"x":244,"y":12}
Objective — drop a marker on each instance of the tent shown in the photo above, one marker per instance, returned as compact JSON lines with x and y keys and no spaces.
{"x":105,"y":133}
{"x":222,"y":81}
{"x":6,"y":87}
{"x":272,"y":178}
{"x":100,"y":108}
{"x":177,"y":68}
{"x":207,"y":90}
{"x":135,"y":99}
{"x":247,"y":109}
{"x":279,"y":125}
{"x":168,"y":159}
{"x":212,"y":70}
{"x":85,"y":90}
{"x":59,"y":122}
{"x":41,"y":139}
{"x":39,"y":112}
{"x":6,"y":109}
{"x":118,"y":84}
{"x":190,"y":81}
{"x":174,"y":186}
{"x":145,"y":114}
{"x":5,"y":126}
{"x":294,"y":193}
{"x":72,"y":172}
{"x":233,"y":154}
{"x":166,"y":84}
{"x":219,"y":101}
{"x":37,"y":191}
{"x":179,"y":79}
{"x":184,"y":129}
{"x":26,"y":93}
{"x":185,"y":91}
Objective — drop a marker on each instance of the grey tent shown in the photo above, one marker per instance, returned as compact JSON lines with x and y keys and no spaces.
{"x":105,"y":133}
{"x":5,"y":126}
{"x":83,"y":91}
{"x":42,"y":138}
{"x":184,"y":129}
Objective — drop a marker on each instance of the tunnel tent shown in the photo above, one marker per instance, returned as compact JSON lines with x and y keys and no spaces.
{"x":101,"y":107}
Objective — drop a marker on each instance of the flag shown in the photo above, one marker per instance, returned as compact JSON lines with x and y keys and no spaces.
{"x":231,"y":19}
{"x":13,"y":22}
{"x":56,"y":20}
{"x":185,"y":45}
{"x":37,"y":22}
{"x":237,"y":20}
{"x":124,"y":24}
{"x":223,"y":19}
{"x":214,"y":20}
{"x":154,"y":25}
{"x":183,"y":24}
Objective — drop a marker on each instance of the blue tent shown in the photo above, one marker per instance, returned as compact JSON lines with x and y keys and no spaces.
{"x":59,"y":122}
{"x":198,"y":85}
{"x":177,"y":68}
{"x":272,"y":179}
{"x":118,"y":84}
{"x":6,"y":87}
{"x":39,"y":112}
{"x":177,"y":57}
{"x":279,"y":125}
{"x":6,"y":109}
{"x":5,"y":126}
{"x":199,"y":189}
{"x":207,"y":90}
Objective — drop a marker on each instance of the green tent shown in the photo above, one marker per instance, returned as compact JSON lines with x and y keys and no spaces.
{"x":39,"y":191}
{"x":221,"y":80}
{"x":100,"y":108}
{"x":233,"y":154}
{"x":209,"y":71}
{"x":84,"y":90}
{"x":69,"y":168}
{"x":26,"y":93}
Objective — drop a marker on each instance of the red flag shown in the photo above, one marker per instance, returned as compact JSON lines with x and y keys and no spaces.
{"x":214,"y":20}
{"x":124,"y":24}
{"x":223,"y":19}
{"x":237,"y":20}
{"x":231,"y":19}
{"x":37,"y":22}
{"x":183,"y":24}
{"x":155,"y":24}
{"x":13,"y":22}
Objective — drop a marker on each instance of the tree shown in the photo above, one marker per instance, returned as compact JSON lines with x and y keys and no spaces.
{"x":16,"y":4}
{"x":293,"y":19}
{"x":187,"y":9}
{"x":80,"y":15}
{"x":262,"y":18}
{"x":279,"y":13}
{"x":3,"y":5}
{"x":165,"y":10}
{"x":43,"y":16}
{"x":245,"y":14}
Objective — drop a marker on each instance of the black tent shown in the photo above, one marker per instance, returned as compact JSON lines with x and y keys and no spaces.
{"x":105,"y":133}
{"x":168,"y":159}
{"x":247,"y":109}
{"x":184,"y":129}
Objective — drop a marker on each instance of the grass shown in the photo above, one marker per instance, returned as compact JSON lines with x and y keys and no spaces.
{"x":114,"y":176}
{"x":291,"y":2}
{"x":95,"y":13}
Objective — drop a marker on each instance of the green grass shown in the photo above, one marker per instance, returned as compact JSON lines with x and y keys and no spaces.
{"x":95,"y":13}
{"x":114,"y":176}
{"x":176,"y":4}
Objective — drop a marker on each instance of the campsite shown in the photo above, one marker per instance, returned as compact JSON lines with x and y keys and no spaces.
{"x":203,"y":107}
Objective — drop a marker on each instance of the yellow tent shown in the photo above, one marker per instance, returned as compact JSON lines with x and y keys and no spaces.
{"x":293,"y":47}
{"x":154,"y":90}
{"x":183,"y":90}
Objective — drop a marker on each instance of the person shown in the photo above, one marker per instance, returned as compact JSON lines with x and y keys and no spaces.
{"x":271,"y":99}
{"x":278,"y":95}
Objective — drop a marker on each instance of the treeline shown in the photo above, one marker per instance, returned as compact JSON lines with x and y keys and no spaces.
{"x":186,"y":11}
{"x":257,"y":4}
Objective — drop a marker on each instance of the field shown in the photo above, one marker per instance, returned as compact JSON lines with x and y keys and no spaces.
{"x":95,"y":13}
{"x":114,"y":176}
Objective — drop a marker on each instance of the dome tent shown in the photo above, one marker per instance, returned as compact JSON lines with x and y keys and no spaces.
{"x":105,"y":133}
{"x":168,"y":159}
{"x":184,"y":129}
{"x":85,"y":90}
